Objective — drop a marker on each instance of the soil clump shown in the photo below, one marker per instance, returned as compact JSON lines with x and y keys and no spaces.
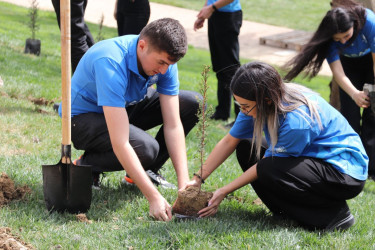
{"x":9,"y":192}
{"x":11,"y":242}
{"x":190,"y":201}
{"x":83,"y":218}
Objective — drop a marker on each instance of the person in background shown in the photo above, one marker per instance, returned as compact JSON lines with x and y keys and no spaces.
{"x":131,"y":16}
{"x":81,"y":38}
{"x":224,"y":23}
{"x":113,"y":105}
{"x":346,"y":38}
{"x":309,"y":163}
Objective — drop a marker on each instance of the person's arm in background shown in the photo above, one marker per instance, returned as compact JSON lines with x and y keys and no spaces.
{"x":358,"y":96}
{"x":175,"y":137}
{"x":118,"y":127}
{"x":207,"y":11}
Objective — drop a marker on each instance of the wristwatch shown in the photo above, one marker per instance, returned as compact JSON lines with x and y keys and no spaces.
{"x":214,"y":7}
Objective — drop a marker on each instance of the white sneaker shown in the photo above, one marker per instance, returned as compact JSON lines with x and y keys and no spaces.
{"x":159,"y":180}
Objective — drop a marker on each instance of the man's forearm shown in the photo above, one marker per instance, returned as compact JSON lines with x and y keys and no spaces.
{"x":175,"y":141}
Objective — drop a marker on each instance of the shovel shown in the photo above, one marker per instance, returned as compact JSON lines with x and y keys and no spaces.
{"x":66,"y":187}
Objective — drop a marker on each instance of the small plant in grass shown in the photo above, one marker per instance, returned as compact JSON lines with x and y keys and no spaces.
{"x":100,"y":35}
{"x":193,"y":199}
{"x":33,"y":45}
{"x":204,"y":112}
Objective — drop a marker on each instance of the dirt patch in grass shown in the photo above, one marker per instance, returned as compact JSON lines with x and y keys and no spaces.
{"x":11,"y":242}
{"x":40,"y":101}
{"x":9,"y":192}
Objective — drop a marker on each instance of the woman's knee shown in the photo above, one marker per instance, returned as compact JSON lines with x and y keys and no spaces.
{"x":246,"y":157}
{"x":246,"y":153}
{"x":267,"y":169}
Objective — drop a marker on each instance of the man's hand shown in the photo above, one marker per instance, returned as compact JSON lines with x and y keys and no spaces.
{"x":160,"y":209}
{"x":213,"y":204}
{"x":198,"y":23}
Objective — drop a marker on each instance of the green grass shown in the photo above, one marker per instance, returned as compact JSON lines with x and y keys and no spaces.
{"x":296,"y":14}
{"x":31,"y":137}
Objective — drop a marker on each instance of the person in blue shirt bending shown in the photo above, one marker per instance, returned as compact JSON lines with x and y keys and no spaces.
{"x":114,"y":103}
{"x":310,"y":162}
{"x":346,"y":38}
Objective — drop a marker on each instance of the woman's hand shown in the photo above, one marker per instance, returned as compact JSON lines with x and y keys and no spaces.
{"x":361,"y":99}
{"x":213,"y":204}
{"x":195,"y":182}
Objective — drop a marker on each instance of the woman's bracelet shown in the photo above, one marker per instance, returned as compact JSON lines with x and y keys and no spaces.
{"x":200,"y":177}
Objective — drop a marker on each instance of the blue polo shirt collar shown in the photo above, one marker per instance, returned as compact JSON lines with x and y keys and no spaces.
{"x":132,"y":58}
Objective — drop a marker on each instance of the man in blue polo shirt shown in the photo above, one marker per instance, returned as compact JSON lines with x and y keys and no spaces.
{"x":113,"y":104}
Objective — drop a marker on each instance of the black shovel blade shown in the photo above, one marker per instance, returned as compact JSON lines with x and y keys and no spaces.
{"x":67,"y":187}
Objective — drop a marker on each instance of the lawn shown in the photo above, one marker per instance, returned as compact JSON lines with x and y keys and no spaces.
{"x":296,"y":14}
{"x":31,"y":137}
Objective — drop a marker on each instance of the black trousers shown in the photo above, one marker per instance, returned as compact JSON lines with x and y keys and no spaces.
{"x":81,"y":38}
{"x":90,"y":133}
{"x":307,"y":190}
{"x":223,"y":32}
{"x":360,"y":71}
{"x":132,"y":16}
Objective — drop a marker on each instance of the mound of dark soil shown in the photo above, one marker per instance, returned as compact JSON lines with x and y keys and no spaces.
{"x":9,"y":192}
{"x":190,"y":201}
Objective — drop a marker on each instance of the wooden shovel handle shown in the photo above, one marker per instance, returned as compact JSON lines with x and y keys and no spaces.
{"x":65,"y":71}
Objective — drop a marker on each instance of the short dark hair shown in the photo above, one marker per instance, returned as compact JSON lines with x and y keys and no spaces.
{"x":167,"y":35}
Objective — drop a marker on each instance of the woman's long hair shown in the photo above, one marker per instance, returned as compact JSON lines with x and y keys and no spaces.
{"x":260,"y":82}
{"x":312,"y":56}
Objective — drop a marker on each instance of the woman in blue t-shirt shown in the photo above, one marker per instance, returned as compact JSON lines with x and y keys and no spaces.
{"x":346,"y":38}
{"x":310,"y":162}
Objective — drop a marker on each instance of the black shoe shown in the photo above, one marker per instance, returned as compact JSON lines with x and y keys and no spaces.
{"x":371,"y":176}
{"x":159,"y":180}
{"x":96,"y":180}
{"x":342,"y":221}
{"x":217,"y":117}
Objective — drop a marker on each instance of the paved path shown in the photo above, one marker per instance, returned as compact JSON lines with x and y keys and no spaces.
{"x":249,"y":36}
